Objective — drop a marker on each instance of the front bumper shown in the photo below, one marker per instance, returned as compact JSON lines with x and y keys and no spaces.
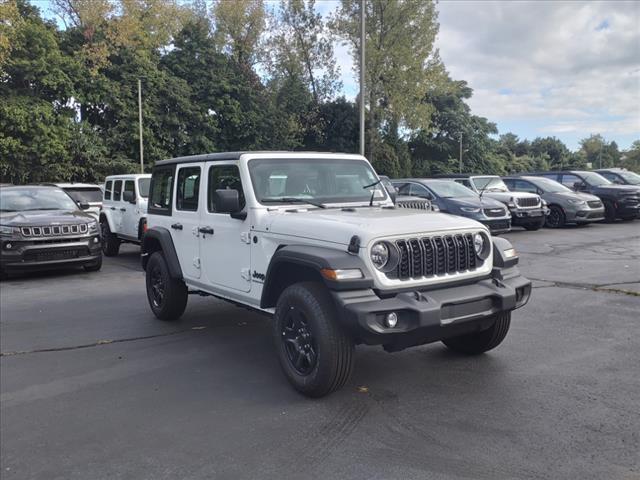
{"x":497,"y":225}
{"x":529,"y":216}
{"x":627,"y":209}
{"x":48,"y":253}
{"x":431,"y":315}
{"x":586,"y":215}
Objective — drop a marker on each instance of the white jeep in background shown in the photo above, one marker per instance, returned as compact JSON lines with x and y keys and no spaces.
{"x":124,"y":210}
{"x":314,"y":241}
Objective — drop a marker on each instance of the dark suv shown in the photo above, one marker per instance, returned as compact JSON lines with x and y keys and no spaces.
{"x":620,"y":201}
{"x":42,"y":228}
{"x":620,"y":176}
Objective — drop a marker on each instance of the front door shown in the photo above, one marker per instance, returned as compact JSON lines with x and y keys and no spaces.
{"x":186,"y":218}
{"x":116,"y":206}
{"x":224,"y":241}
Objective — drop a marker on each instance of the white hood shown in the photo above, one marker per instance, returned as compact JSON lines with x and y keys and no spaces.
{"x":338,"y":226}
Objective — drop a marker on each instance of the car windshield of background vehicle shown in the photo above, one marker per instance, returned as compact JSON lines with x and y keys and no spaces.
{"x":631,"y":177}
{"x":85,"y":195}
{"x":595,"y":179}
{"x":317,"y":180}
{"x":550,"y":186}
{"x":143,"y":187}
{"x":451,"y":189}
{"x":28,"y":199}
{"x":490,"y":184}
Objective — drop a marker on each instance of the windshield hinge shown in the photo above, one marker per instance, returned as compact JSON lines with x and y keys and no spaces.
{"x":245,"y":237}
{"x":196,"y":262}
{"x":246,"y":274}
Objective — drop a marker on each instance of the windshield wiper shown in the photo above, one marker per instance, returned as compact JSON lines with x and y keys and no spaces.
{"x":373,"y":192}
{"x":293,"y":200}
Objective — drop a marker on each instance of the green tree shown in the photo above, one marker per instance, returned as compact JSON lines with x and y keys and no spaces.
{"x":239,"y":26}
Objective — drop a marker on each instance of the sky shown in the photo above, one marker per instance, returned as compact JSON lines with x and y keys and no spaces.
{"x":545,"y":68}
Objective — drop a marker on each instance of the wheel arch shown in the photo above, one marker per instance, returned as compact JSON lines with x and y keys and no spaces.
{"x":298,"y":263}
{"x":106,"y":215}
{"x":159,"y":239}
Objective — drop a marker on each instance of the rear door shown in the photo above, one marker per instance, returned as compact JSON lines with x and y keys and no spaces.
{"x":115,"y":206}
{"x":130,"y":212}
{"x":188,"y":201}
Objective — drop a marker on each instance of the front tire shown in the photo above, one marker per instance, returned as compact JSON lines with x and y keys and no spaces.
{"x":533,"y":226}
{"x":93,"y":267}
{"x":480,"y":342}
{"x":609,"y":212}
{"x":167,"y":296}
{"x":315,"y":352}
{"x":556,"y":218}
{"x":110,"y":242}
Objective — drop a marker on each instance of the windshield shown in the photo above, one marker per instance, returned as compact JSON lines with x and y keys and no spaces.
{"x":317,"y":180}
{"x":549,"y":186}
{"x":85,"y":195}
{"x":490,"y":184}
{"x":594,"y":179}
{"x":450,"y":189}
{"x":631,"y":177}
{"x":25,"y":199}
{"x":143,"y":187}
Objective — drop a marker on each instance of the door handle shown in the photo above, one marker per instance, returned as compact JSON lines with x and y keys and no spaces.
{"x":113,"y":208}
{"x":123,"y":209}
{"x":177,"y":226}
{"x":206,"y":230}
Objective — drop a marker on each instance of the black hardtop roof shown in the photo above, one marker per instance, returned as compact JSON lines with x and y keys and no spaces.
{"x":220,"y":156}
{"x":462,"y":175}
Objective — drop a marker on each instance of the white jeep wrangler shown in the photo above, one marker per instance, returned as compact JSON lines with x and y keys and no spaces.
{"x":124,"y":211}
{"x":313,"y":240}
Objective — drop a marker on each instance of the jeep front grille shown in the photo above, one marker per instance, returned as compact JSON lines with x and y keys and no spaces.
{"x":54,"y":230}
{"x":528,"y":202}
{"x":431,"y":256}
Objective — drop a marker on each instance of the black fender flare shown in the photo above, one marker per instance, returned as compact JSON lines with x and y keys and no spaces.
{"x":314,"y":258}
{"x":499,"y":260}
{"x":159,"y":238}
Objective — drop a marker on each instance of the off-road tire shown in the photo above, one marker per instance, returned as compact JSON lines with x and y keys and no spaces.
{"x":609,"y":212}
{"x":171,"y":303}
{"x":329,"y":341}
{"x":533,"y":226}
{"x":110,"y":242}
{"x":557,"y":217}
{"x":480,"y":342}
{"x":93,"y":267}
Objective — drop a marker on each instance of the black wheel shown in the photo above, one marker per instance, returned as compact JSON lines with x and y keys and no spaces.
{"x":628,"y":218}
{"x":93,"y":267}
{"x":582,"y":224}
{"x":167,"y":296}
{"x":110,"y":242}
{"x":533,"y":226}
{"x":315,"y":352}
{"x":609,"y":212}
{"x":480,"y":342}
{"x":556,"y":218}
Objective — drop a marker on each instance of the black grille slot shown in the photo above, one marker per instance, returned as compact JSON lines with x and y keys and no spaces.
{"x":50,"y":254}
{"x":429,"y":256}
{"x":417,"y":204}
{"x":527,"y":202}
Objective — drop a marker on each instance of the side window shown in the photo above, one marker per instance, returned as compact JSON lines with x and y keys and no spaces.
{"x":511,"y":184}
{"x":117,"y":190}
{"x":524,"y":186}
{"x":552,"y":176}
{"x":129,"y":186}
{"x":402,"y":188}
{"x":465,"y":181}
{"x":419,"y":191}
{"x":188,"y":189}
{"x":612,"y":177}
{"x":224,"y":177}
{"x":107,"y":190}
{"x":161,"y":191}
{"x":569,"y":180}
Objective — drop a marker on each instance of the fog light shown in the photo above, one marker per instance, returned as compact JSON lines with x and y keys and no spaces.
{"x":8,"y":246}
{"x":96,"y":240}
{"x":391,"y":320}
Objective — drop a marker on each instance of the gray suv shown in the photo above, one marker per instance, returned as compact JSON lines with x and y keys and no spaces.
{"x":565,"y":205}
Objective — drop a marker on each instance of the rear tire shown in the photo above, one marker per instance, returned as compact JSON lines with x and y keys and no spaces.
{"x":93,"y":267}
{"x":167,"y":296}
{"x":480,"y":342}
{"x":315,"y":352}
{"x":556,"y":218}
{"x":110,"y":242}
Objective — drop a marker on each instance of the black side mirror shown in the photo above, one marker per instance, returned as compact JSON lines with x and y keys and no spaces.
{"x":84,"y":206}
{"x":228,"y":201}
{"x":577,"y":186}
{"x":129,"y":196}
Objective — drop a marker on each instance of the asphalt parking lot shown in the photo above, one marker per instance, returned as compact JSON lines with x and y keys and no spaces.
{"x":93,"y":387}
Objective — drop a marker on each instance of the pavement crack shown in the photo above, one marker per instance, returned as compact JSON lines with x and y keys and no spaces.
{"x":588,"y":286}
{"x":97,"y":343}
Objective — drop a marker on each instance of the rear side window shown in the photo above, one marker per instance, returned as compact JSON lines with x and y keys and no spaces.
{"x":161,"y":191}
{"x":129,"y":186}
{"x":524,"y":186}
{"x":569,"y":180}
{"x":188,"y":189}
{"x":107,"y":190}
{"x":117,"y":190}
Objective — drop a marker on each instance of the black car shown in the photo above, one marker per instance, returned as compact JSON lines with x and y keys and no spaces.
{"x":42,"y":228}
{"x":619,"y":176}
{"x":620,"y":201}
{"x":451,"y":197}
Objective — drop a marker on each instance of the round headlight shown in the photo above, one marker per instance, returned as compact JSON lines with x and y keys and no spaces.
{"x":481,"y":245}
{"x":380,"y":255}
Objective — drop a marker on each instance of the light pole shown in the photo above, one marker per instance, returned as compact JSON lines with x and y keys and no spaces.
{"x":140,"y":125}
{"x":362,"y":86}
{"x":460,"y":162}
